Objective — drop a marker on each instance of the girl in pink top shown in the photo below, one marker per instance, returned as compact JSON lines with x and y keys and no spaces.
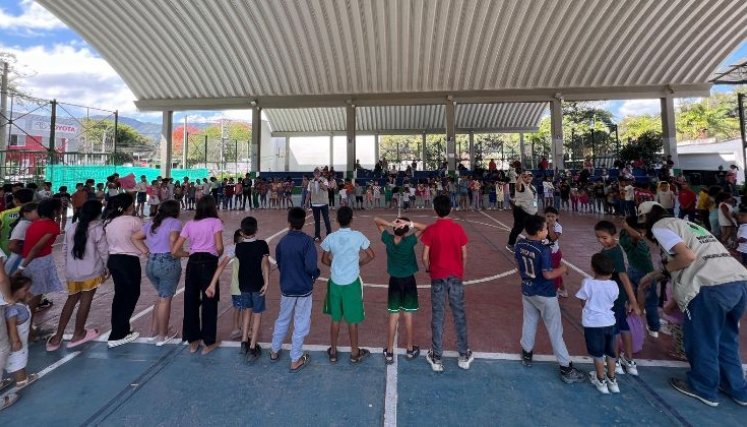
{"x":205,"y":235}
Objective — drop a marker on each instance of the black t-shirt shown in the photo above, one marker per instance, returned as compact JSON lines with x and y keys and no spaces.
{"x":250,"y":255}
{"x":246,"y":184}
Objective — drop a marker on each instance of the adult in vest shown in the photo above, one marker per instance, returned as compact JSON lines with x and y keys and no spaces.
{"x":525,"y":204}
{"x":319,"y":203}
{"x":710,"y":287}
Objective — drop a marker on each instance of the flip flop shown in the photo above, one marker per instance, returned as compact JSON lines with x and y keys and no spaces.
{"x":362,"y":355}
{"x":30,"y":379}
{"x":91,"y":334}
{"x":5,"y":383}
{"x":304,"y":361}
{"x":274,"y":357}
{"x":332,"y":355}
{"x":8,"y":400}
{"x":53,"y":347}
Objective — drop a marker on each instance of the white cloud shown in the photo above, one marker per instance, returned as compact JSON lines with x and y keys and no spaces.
{"x":72,"y":74}
{"x":33,"y":17}
{"x":633,"y":107}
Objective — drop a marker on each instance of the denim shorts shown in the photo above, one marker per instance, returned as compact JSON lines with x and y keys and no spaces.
{"x":621,"y":320}
{"x":164,"y":272}
{"x":249,"y":301}
{"x":600,"y":342}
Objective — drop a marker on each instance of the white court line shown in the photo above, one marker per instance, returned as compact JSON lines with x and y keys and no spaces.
{"x":50,"y":368}
{"x":506,"y":227}
{"x":466,"y":283}
{"x":390,"y":395}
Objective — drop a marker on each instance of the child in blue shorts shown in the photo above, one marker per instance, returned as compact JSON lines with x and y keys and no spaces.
{"x":598,"y":296}
{"x":253,"y":276}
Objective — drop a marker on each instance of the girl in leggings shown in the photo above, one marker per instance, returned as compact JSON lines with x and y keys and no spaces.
{"x":205,"y":235}
{"x":525,"y":204}
{"x":124,"y":236}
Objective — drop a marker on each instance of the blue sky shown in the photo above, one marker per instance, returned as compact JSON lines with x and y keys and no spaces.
{"x":80,"y":76}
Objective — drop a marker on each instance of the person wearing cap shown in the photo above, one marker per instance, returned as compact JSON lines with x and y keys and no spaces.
{"x":319,"y":198}
{"x":525,"y":204}
{"x":710,"y":287}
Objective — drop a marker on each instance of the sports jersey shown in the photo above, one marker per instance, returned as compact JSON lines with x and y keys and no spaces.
{"x":533,"y":258}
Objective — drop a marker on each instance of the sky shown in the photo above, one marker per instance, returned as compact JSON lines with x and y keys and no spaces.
{"x":81,"y":76}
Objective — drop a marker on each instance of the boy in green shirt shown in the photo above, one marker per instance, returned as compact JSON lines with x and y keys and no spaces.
{"x":640,"y":264}
{"x":401,"y":264}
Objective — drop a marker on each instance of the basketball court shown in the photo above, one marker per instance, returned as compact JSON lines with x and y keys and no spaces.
{"x":141,"y":384}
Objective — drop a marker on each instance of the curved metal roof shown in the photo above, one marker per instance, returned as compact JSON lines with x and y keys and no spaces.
{"x":398,"y":119}
{"x":189,"y":54}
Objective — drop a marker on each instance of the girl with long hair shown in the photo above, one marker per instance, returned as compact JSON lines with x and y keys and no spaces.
{"x":163,"y":269}
{"x":205,"y":235}
{"x":86,"y":253}
{"x":124,"y":236}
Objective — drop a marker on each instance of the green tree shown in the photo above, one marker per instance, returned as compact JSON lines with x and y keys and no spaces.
{"x":233,"y":135}
{"x":633,"y":127}
{"x":646,"y":146}
{"x":711,"y":117}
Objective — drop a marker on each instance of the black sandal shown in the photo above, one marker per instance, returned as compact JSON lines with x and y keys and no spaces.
{"x":274,"y":357}
{"x":388,"y":357}
{"x":362,"y":354}
{"x":414,"y":353}
{"x":332,"y":355}
{"x":304,"y":361}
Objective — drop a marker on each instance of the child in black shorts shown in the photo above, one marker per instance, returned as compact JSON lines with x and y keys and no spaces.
{"x":403,"y":292}
{"x":598,"y":296}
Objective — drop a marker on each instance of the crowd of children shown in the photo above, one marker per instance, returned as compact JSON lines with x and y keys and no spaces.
{"x":108,"y":236}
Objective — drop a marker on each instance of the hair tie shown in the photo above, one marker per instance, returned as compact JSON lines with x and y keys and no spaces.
{"x":119,"y":209}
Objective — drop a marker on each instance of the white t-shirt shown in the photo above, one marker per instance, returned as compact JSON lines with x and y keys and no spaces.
{"x":629,"y":193}
{"x":600,"y":296}
{"x":19,"y":231}
{"x":667,"y":238}
{"x":742,"y":234}
{"x":555,"y":247}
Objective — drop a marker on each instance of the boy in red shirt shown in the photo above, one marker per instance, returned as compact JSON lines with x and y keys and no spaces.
{"x":444,"y":257}
{"x":687,"y":198}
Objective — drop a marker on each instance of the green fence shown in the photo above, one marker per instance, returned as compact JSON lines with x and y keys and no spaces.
{"x":69,"y":175}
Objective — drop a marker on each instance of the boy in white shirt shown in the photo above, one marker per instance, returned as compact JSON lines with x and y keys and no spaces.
{"x":554,"y":231}
{"x":598,"y":295}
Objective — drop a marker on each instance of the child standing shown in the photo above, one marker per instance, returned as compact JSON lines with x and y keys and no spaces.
{"x":124,"y":235}
{"x":296,"y":259}
{"x":598,"y":295}
{"x":254,"y":276}
{"x":86,"y":254}
{"x":18,"y":320}
{"x":205,"y":235}
{"x":742,"y":235}
{"x":401,"y":265}
{"x":626,"y":301}
{"x":539,"y":298}
{"x":344,"y":300}
{"x":26,"y":216}
{"x":554,"y":231}
{"x":499,"y":195}
{"x":444,"y":257}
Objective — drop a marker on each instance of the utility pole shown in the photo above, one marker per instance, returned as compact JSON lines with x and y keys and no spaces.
{"x":3,"y":114}
{"x":223,"y":144}
{"x":184,"y":145}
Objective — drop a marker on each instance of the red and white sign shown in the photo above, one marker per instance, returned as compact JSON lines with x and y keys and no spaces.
{"x":58,"y":128}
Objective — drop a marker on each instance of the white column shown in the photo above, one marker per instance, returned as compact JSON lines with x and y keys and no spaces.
{"x":166,"y":143}
{"x":472,"y":150}
{"x":669,"y":131}
{"x":287,"y":153}
{"x":422,"y":151}
{"x":522,"y":150}
{"x":376,"y":148}
{"x":331,"y":151}
{"x":256,"y":151}
{"x":556,"y":125}
{"x":350,"y":133}
{"x":449,"y":110}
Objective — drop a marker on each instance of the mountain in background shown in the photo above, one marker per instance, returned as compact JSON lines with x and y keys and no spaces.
{"x":151,"y":131}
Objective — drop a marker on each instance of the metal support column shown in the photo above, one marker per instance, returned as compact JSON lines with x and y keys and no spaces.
{"x":287,"y":153}
{"x":115,"y":137}
{"x":350,"y":131}
{"x":52,"y":133}
{"x":376,"y":148}
{"x":166,"y":143}
{"x":669,"y":131}
{"x":4,"y":117}
{"x":331,"y":151}
{"x":522,"y":151}
{"x":449,"y":109}
{"x":423,"y":152}
{"x":256,"y":151}
{"x":743,"y":130}
{"x":556,"y":125}
{"x":472,"y":164}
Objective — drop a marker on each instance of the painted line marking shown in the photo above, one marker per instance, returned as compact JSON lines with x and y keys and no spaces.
{"x":390,"y":395}
{"x":49,"y":369}
{"x":506,"y":227}
{"x":466,"y":283}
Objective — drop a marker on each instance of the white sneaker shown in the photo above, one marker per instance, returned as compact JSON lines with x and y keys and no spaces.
{"x":618,"y":368}
{"x":435,"y":362}
{"x":466,"y":360}
{"x":612,"y":385}
{"x":132,"y":336}
{"x":600,"y":385}
{"x":653,"y":334}
{"x":629,"y":365}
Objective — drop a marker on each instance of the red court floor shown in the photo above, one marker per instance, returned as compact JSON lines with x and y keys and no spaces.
{"x":493,"y":298}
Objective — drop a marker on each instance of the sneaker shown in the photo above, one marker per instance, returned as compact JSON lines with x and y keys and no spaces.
{"x":612,"y":385}
{"x":526,"y":358}
{"x":618,"y":368}
{"x":132,"y":336}
{"x":601,"y":385}
{"x":465,"y":360}
{"x":254,"y":353}
{"x":244,"y":347}
{"x":434,"y":361}
{"x":570,"y":374}
{"x":317,"y":239}
{"x":510,"y":248}
{"x":739,"y":402}
{"x":683,"y":387}
{"x":653,"y":334}
{"x":629,"y":365}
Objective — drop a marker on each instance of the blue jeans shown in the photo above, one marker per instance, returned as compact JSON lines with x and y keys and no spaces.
{"x":711,"y":334}
{"x":452,"y":288}
{"x":652,"y":299}
{"x":454,"y":201}
{"x":164,"y":272}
